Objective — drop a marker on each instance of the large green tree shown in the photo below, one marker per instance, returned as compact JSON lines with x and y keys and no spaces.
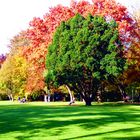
{"x":84,"y":52}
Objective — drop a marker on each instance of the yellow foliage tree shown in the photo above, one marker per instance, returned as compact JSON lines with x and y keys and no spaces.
{"x":13,"y":74}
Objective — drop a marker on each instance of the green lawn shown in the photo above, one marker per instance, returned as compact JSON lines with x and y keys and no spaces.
{"x":58,"y":121}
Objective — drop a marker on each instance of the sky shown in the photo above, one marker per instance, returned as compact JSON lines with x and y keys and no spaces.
{"x":15,"y":15}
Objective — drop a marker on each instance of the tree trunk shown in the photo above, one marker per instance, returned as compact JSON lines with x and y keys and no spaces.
{"x":71,"y":96}
{"x":9,"y":97}
{"x":12,"y":98}
{"x":123,"y":93}
{"x":88,"y":101}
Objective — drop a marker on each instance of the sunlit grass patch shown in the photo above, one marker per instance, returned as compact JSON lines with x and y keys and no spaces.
{"x":59,"y":121}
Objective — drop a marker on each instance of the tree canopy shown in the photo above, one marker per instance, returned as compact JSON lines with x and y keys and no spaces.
{"x":84,"y":52}
{"x":41,"y":30}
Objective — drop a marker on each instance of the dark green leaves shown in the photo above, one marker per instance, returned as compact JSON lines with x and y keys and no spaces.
{"x":84,"y":49}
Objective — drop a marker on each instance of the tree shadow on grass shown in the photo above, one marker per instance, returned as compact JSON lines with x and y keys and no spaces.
{"x":55,"y":119}
{"x":107,"y":133}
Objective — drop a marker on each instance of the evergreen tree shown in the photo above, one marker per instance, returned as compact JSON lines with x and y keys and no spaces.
{"x":84,"y":51}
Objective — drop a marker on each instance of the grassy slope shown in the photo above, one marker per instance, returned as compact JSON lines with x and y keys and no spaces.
{"x":57,"y":121}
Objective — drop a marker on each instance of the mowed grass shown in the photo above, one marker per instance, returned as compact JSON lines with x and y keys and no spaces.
{"x":58,"y":121}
